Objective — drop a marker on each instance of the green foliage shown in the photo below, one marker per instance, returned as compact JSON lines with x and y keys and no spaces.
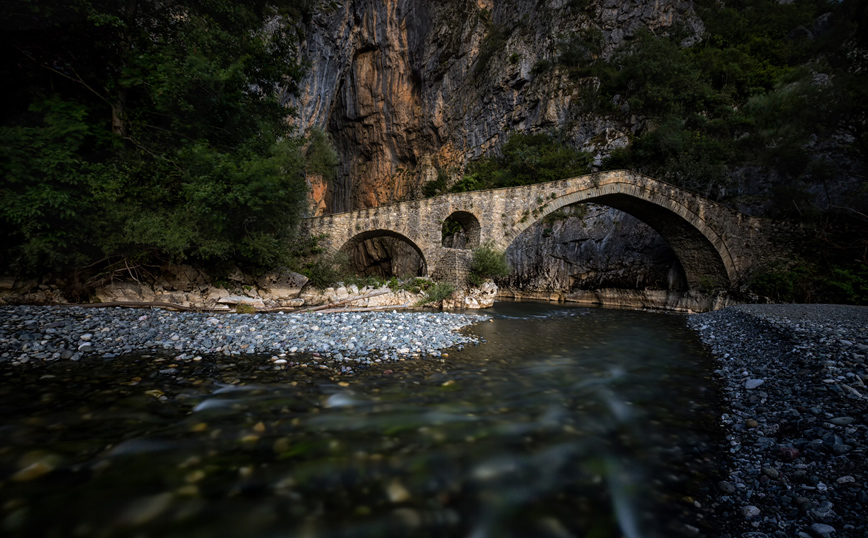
{"x":525,"y":160}
{"x":549,"y":220}
{"x":325,"y":270}
{"x":152,"y":134}
{"x":242,"y":308}
{"x":437,"y":292}
{"x":578,"y":5}
{"x":847,"y":285}
{"x":487,"y":262}
{"x":750,"y":93}
{"x":322,"y":157}
{"x":44,"y":202}
{"x":494,"y":41}
{"x":580,"y":48}
{"x":541,"y":67}
{"x":370,"y":281}
{"x":803,"y":282}
{"x":450,"y":228}
{"x":436,"y":186}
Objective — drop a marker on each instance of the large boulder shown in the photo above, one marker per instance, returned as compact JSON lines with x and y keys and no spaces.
{"x":474,"y":298}
{"x":124,"y":292}
{"x":281,"y":285}
{"x":182,"y":278}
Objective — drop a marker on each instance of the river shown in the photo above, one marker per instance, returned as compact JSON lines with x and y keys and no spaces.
{"x":565,"y":421}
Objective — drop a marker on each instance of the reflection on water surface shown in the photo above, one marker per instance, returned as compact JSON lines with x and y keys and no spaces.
{"x":567,"y":422}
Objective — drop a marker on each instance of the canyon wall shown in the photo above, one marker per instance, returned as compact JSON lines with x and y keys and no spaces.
{"x":409,"y":89}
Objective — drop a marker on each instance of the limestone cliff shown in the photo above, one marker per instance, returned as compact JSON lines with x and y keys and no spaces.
{"x":408,"y":89}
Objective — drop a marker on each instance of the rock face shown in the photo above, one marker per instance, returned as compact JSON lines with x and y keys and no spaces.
{"x":386,"y":257}
{"x":588,"y":247}
{"x":473,"y":298}
{"x":407,"y":87}
{"x":412,"y":88}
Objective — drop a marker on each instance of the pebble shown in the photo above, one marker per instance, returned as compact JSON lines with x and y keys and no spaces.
{"x":750,"y":511}
{"x":32,"y":472}
{"x":821,"y":530}
{"x":771,"y":472}
{"x":360,"y":337}
{"x":795,"y":433}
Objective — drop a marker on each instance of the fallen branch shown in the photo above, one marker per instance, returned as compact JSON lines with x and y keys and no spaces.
{"x":142,"y":305}
{"x":173,"y":306}
{"x":345,"y":301}
{"x":366,"y":309}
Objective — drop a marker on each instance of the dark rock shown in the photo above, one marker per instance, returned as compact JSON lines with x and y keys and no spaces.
{"x":821,"y":530}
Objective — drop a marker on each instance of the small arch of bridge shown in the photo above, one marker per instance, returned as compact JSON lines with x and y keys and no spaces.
{"x":470,"y":230}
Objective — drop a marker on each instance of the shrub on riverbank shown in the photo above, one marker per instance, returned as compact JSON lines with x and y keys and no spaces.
{"x":809,"y":283}
{"x":437,"y":292}
{"x":487,"y":262}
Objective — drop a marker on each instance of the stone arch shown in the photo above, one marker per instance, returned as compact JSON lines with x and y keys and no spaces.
{"x":471,"y":230}
{"x":703,"y":254}
{"x":351,"y":246}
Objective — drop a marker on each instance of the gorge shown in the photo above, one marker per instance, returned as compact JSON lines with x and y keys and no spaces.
{"x":412,"y":89}
{"x":411,"y":92}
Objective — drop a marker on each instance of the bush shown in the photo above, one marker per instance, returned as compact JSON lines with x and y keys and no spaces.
{"x":487,"y":262}
{"x":437,"y":292}
{"x":370,"y":281}
{"x":847,"y":285}
{"x":526,"y":159}
{"x":812,"y":284}
{"x":322,"y":157}
{"x":326,"y":270}
{"x":436,"y":186}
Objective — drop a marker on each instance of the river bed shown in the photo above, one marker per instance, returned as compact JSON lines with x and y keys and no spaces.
{"x":563,"y":421}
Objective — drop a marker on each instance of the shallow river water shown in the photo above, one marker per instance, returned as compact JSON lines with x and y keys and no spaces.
{"x":566,"y":421}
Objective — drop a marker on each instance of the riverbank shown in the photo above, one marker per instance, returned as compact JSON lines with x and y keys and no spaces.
{"x":190,"y":288}
{"x":796,"y":419}
{"x":687,"y":301}
{"x":337,"y":341}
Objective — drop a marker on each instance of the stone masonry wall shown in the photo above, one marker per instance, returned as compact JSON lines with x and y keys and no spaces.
{"x":717,"y":246}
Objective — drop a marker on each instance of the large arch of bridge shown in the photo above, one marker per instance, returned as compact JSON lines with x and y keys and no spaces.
{"x":701,"y":251}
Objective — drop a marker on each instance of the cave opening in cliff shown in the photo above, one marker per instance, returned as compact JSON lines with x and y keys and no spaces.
{"x":384,"y":254}
{"x":460,"y":230}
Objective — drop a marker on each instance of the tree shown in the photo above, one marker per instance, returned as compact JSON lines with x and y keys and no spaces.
{"x":525,"y":159}
{"x":149,"y":131}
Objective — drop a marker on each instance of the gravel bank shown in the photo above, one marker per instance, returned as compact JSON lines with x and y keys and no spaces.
{"x":343,"y":341}
{"x":797,"y":428}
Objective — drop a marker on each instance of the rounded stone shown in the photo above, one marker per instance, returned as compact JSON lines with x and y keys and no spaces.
{"x":821,"y":530}
{"x":726,"y":487}
{"x":750,"y":511}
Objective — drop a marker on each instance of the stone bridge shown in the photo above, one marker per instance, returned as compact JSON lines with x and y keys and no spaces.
{"x":717,"y":246}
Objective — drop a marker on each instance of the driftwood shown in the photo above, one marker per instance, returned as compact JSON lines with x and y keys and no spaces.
{"x":143,"y":305}
{"x":366,"y":309}
{"x":345,"y":301}
{"x":172,"y":306}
